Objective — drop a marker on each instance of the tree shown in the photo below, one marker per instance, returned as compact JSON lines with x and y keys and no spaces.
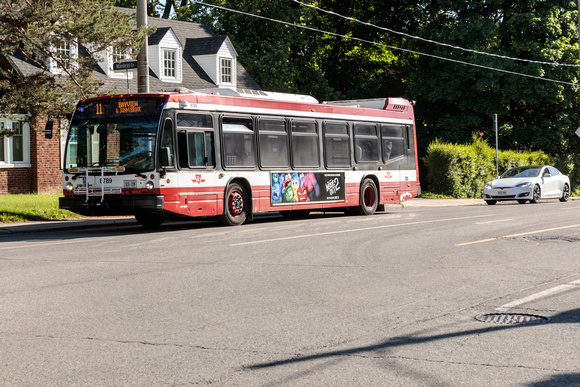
{"x":33,"y":30}
{"x":279,"y":56}
{"x":457,"y":99}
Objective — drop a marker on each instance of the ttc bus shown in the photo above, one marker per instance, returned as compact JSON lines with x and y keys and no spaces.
{"x":231,"y":153}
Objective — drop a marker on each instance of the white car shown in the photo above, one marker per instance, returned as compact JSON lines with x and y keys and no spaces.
{"x":532,"y":182}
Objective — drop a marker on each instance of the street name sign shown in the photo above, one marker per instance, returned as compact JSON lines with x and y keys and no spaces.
{"x":130,"y":65}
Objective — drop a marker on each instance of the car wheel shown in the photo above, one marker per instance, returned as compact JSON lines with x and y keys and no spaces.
{"x":490,"y":202}
{"x":536,"y":195}
{"x":522,"y":201}
{"x":565,"y":193}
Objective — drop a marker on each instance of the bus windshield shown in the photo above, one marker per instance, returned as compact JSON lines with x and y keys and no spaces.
{"x":116,"y":132}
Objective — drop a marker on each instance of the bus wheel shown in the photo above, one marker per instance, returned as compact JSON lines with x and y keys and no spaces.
{"x":149,"y":220}
{"x":369,"y":198}
{"x":236,"y":206}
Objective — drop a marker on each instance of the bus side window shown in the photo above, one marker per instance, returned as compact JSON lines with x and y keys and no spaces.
{"x":273,"y":143}
{"x":366,"y":143}
{"x":393,"y":141}
{"x":167,"y":141}
{"x":336,"y":144}
{"x":238,"y":142}
{"x":305,"y":151}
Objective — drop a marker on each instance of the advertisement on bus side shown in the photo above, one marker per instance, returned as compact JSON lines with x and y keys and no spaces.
{"x":308,"y":187}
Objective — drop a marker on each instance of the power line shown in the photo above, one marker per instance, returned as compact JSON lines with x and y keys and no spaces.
{"x":382,"y":44}
{"x":434,"y":41}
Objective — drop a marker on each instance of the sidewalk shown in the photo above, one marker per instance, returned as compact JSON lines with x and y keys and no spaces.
{"x":422,"y":202}
{"x":60,"y":225}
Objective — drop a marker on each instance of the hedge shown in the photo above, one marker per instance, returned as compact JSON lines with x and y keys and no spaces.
{"x":462,"y":171}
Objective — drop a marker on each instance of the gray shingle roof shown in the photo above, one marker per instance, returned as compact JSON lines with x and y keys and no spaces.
{"x":196,"y":39}
{"x":156,"y":37}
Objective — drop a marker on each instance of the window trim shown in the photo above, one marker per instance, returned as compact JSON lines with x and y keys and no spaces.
{"x":8,"y":145}
{"x":226,"y":71}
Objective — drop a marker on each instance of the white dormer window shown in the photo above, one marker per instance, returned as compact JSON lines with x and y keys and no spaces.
{"x":68,"y":51}
{"x":226,"y":70}
{"x":169,"y":63}
{"x":165,"y":55}
{"x":119,"y":55}
{"x":63,"y":47}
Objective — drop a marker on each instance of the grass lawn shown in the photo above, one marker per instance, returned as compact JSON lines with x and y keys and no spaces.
{"x":32,"y":207}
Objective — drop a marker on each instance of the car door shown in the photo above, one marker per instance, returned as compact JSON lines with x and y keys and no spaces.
{"x":550,"y":183}
{"x":558,"y":180}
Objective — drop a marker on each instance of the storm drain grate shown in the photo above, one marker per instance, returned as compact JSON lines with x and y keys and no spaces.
{"x":511,"y":318}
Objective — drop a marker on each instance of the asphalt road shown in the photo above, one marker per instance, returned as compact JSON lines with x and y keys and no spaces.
{"x":394,"y":299}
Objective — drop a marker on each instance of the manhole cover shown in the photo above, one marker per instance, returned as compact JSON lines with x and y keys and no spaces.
{"x":511,"y":318}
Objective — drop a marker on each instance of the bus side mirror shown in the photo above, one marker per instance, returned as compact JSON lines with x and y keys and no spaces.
{"x":48,"y":129}
{"x":165,"y":157}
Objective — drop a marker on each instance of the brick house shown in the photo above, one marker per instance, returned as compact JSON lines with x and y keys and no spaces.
{"x":181,"y":55}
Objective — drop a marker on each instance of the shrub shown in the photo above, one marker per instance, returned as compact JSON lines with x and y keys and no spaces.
{"x":463,"y":170}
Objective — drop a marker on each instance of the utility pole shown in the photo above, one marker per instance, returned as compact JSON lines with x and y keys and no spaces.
{"x":143,"y":57}
{"x":496,"y":145}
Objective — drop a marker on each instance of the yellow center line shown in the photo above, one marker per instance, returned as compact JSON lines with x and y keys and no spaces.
{"x":516,"y":235}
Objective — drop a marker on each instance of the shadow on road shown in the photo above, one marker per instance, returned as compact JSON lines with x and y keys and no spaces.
{"x":568,"y":317}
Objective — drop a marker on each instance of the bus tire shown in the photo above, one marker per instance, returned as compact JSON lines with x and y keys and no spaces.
{"x":369,"y":198}
{"x":235,"y":206}
{"x":149,"y":220}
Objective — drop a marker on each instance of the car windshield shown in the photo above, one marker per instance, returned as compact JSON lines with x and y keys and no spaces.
{"x":521,"y":172}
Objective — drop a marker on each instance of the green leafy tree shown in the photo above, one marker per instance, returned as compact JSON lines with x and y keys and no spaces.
{"x":456,"y":100}
{"x":279,"y":56}
{"x":33,"y":30}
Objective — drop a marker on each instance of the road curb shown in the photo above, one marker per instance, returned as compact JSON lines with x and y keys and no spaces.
{"x":62,"y":225}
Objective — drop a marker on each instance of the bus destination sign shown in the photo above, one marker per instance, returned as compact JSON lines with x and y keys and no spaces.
{"x":115,"y":107}
{"x":130,"y":106}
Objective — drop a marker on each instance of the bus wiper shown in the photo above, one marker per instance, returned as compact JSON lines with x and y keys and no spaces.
{"x":140,"y":174}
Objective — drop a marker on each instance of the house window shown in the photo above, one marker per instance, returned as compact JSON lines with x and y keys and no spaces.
{"x":226,"y":70}
{"x":63,"y":47}
{"x":3,"y":139}
{"x":17,"y":142}
{"x":65,"y":55}
{"x":63,"y":50}
{"x":169,"y":63}
{"x":14,"y":144}
{"x":119,"y":55}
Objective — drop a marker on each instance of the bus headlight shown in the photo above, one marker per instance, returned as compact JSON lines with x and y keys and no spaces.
{"x":149,"y":186}
{"x":69,"y":187}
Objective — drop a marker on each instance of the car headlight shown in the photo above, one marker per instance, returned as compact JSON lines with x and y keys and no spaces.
{"x":69,"y":187}
{"x":526,"y":184}
{"x":488,"y":186}
{"x":149,"y":186}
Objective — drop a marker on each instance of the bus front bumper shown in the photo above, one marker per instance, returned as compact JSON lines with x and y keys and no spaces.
{"x":113,"y":204}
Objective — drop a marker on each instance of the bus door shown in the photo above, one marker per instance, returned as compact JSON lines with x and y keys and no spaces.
{"x":394,"y":154}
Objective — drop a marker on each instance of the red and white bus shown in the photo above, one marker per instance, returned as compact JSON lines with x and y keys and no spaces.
{"x":231,"y":154}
